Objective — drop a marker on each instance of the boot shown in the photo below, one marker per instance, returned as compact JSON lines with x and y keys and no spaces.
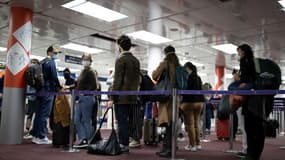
{"x":164,"y":145}
{"x":168,"y":137}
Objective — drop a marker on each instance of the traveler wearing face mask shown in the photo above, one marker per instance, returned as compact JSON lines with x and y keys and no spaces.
{"x":84,"y":109}
{"x":51,"y":84}
{"x":69,"y":81}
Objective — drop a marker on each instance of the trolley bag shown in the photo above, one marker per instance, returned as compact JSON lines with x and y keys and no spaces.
{"x":150,"y":134}
{"x":222,"y":129}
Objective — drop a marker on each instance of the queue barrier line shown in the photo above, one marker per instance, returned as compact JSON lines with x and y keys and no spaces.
{"x":166,"y":92}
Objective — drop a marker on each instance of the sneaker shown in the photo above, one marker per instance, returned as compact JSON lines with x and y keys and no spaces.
{"x":35,"y":140}
{"x":134,"y":144}
{"x":241,"y":154}
{"x":43,"y":141}
{"x":199,"y":147}
{"x":82,"y":144}
{"x":28,"y":136}
{"x":190,"y":148}
{"x":180,"y":137}
{"x":124,"y":149}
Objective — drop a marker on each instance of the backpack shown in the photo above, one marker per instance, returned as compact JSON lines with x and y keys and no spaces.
{"x":34,"y":75}
{"x":268,"y":77}
{"x":181,"y":78}
{"x":146,"y":85}
{"x":268,"y":74}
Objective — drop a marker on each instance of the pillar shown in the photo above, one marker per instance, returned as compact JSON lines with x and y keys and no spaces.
{"x":19,"y":46}
{"x":219,"y":71}
{"x":154,"y":52}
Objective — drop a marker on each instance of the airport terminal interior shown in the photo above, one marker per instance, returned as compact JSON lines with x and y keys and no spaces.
{"x":206,"y":33}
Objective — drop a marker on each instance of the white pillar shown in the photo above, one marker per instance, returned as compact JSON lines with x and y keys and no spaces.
{"x":155,"y":53}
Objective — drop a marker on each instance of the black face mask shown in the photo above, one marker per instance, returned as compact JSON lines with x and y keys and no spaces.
{"x":66,"y":75}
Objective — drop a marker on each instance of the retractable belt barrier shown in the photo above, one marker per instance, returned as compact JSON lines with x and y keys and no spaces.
{"x":278,"y":103}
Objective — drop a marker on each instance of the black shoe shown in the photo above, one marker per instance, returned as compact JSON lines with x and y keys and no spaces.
{"x":124,"y":149}
{"x":82,"y":144}
{"x":165,"y":154}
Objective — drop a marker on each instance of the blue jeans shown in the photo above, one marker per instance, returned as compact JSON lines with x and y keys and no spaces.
{"x":83,"y":117}
{"x":42,"y":113}
{"x":122,"y":116}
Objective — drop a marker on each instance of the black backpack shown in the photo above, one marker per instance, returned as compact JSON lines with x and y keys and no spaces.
{"x":268,"y":77}
{"x":34,"y":75}
{"x":268,"y":74}
{"x":146,"y":85}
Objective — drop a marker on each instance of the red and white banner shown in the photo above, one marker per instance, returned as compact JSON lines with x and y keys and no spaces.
{"x":19,"y":46}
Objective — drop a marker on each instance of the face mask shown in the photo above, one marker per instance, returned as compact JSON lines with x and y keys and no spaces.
{"x":32,"y":64}
{"x":54,"y":56}
{"x":86,"y":63}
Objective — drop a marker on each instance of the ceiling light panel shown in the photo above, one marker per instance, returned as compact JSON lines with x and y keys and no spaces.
{"x":226,"y":48}
{"x":81,"y":48}
{"x":2,"y":49}
{"x":94,"y":10}
{"x":149,"y":37}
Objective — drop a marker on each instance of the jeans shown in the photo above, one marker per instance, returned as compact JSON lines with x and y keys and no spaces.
{"x":122,"y":116}
{"x":83,"y":117}
{"x":209,"y":115}
{"x":42,"y":113}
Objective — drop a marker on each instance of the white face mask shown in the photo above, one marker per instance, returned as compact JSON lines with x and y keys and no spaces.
{"x":86,"y":63}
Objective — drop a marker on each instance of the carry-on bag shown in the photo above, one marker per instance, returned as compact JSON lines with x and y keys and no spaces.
{"x":98,"y":145}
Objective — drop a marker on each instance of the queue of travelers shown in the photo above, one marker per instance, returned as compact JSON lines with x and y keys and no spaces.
{"x":127,"y":77}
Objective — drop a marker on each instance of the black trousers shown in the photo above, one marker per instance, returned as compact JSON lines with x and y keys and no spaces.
{"x":122,"y":116}
{"x":136,"y":115}
{"x":255,"y":134}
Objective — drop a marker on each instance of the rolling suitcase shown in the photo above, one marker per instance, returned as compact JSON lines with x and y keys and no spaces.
{"x":150,"y":134}
{"x":222,"y":129}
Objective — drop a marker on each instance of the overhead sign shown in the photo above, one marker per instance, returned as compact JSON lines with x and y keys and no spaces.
{"x":72,"y":59}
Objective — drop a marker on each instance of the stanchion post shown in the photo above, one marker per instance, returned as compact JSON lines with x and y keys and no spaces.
{"x":71,"y":125}
{"x":231,"y":129}
{"x":174,"y":123}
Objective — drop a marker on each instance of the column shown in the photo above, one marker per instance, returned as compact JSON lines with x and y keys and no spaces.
{"x":219,"y":71}
{"x":19,"y":46}
{"x":155,"y":53}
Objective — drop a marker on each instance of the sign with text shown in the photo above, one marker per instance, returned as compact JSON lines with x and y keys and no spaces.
{"x":72,"y":59}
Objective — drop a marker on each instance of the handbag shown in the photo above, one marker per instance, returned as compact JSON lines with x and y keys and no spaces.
{"x":237,"y":101}
{"x":100,"y":146}
{"x":224,"y":108}
{"x":163,"y":84}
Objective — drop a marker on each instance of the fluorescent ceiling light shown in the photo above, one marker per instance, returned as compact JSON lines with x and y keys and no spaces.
{"x":81,"y":48}
{"x":227,"y":48}
{"x":2,"y":49}
{"x":149,"y":37}
{"x":94,"y":10}
{"x":282,"y":2}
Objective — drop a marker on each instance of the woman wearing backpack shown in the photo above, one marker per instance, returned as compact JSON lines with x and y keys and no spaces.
{"x":166,"y":67}
{"x":191,"y":106}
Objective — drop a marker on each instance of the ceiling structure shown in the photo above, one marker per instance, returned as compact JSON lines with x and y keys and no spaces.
{"x":193,"y":25}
